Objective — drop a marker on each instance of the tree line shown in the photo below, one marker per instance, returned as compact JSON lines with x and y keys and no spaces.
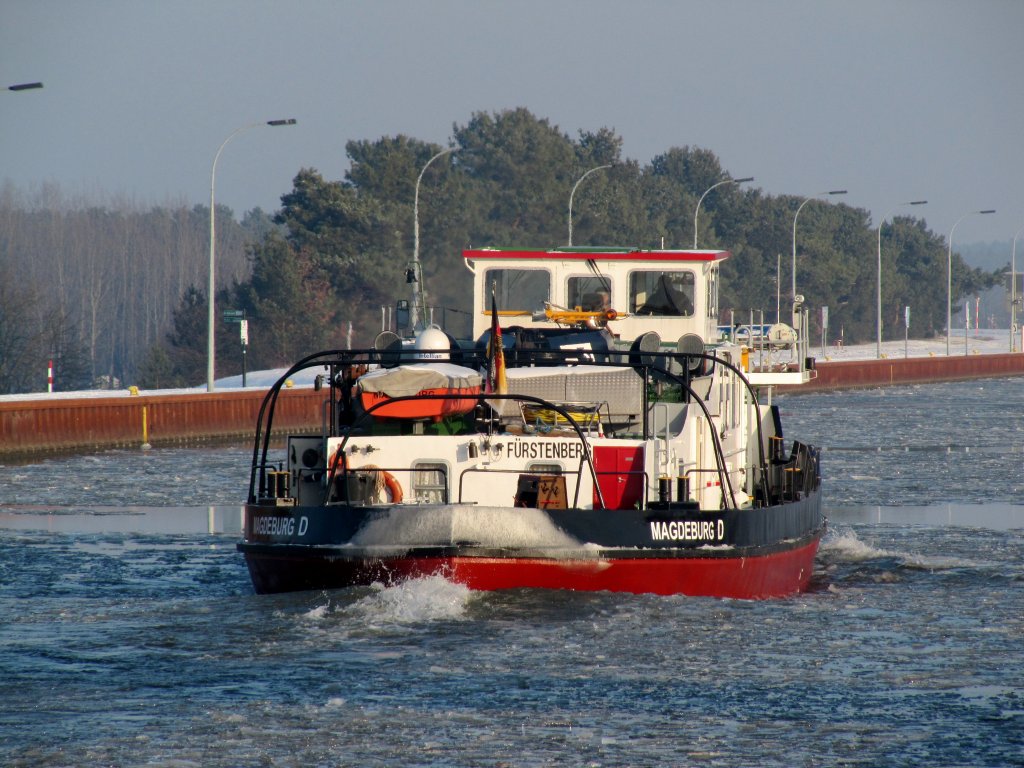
{"x":94,"y":287}
{"x":318,"y":274}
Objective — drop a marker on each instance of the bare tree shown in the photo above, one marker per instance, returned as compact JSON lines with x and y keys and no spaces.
{"x":111,"y":271}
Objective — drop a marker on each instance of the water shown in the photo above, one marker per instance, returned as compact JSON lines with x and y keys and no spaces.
{"x":130,"y":635}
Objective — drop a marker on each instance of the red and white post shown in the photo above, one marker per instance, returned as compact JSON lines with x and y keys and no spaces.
{"x":49,"y":377}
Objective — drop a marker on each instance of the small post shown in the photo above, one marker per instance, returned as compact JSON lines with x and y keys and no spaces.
{"x":49,"y":377}
{"x":967,"y":324}
{"x":664,"y":489}
{"x":824,"y":330}
{"x":145,"y":431}
{"x":244,"y":335}
{"x":906,"y":332}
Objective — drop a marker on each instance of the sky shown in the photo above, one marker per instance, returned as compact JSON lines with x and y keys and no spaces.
{"x":892,"y":100}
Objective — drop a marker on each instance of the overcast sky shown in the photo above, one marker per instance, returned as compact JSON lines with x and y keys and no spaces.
{"x":893,"y":100}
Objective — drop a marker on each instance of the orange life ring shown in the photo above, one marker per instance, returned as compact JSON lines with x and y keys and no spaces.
{"x":384,"y":481}
{"x":392,"y":486}
{"x":336,"y":462}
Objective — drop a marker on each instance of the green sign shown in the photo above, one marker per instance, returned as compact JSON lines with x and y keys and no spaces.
{"x":234,"y":315}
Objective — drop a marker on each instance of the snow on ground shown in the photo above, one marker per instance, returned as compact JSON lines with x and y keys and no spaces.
{"x":254,"y":380}
{"x":981,"y":342}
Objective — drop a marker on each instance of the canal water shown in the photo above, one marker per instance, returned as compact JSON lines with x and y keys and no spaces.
{"x":130,"y":634}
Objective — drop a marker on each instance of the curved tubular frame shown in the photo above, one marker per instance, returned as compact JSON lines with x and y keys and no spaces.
{"x":338,"y":358}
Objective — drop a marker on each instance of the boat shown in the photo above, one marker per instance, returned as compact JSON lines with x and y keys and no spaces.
{"x":599,"y":431}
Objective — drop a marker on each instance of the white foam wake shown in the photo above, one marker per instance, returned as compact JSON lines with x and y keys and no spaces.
{"x":425,"y":599}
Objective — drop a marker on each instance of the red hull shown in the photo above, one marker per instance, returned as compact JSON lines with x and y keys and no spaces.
{"x":764,"y":576}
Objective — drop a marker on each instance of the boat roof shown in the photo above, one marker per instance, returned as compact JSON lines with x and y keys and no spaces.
{"x":592,"y":253}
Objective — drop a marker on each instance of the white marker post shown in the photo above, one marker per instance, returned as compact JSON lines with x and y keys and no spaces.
{"x":243,"y":332}
{"x":906,"y":331}
{"x":967,"y":324}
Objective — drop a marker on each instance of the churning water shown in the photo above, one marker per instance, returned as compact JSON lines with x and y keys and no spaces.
{"x":130,"y":634}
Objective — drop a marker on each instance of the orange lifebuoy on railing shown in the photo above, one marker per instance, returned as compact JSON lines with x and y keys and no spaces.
{"x":333,"y":477}
{"x":336,"y":462}
{"x":392,"y":486}
{"x":384,"y":481}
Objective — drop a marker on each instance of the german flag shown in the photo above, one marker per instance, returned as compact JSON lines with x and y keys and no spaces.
{"x":497,"y":382}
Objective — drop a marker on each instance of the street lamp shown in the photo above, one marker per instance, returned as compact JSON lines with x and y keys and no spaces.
{"x":697,"y":209}
{"x":24,"y":87}
{"x":581,"y":178}
{"x":878,"y":319}
{"x":1013,"y":292}
{"x":795,"y":216}
{"x":949,"y":276}
{"x":210,"y":343}
{"x":417,"y":290}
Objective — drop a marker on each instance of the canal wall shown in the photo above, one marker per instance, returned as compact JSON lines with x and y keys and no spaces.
{"x":850,"y":374}
{"x":41,"y":424}
{"x":64,"y":424}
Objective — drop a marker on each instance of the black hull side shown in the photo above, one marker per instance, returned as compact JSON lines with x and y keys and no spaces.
{"x":312,"y":548}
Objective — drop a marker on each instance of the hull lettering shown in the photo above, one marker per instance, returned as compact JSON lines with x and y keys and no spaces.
{"x":688,"y":530}
{"x":545,"y":449}
{"x":279,"y":525}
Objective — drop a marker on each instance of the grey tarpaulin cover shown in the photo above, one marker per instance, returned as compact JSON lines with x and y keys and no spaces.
{"x":411,"y":379}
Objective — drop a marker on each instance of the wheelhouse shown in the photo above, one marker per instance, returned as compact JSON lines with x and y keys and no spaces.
{"x":672,"y":292}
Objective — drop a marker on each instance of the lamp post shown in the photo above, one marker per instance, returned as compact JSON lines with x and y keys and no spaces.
{"x":581,"y":178}
{"x":1013,"y":292}
{"x":25,"y":87}
{"x":210,"y":326}
{"x":701,"y":200}
{"x":878,"y":318}
{"x":795,"y":217}
{"x":949,"y":275}
{"x":778,"y":288}
{"x":417,"y":290}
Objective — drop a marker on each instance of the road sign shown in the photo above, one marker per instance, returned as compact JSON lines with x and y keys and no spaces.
{"x":233,"y":315}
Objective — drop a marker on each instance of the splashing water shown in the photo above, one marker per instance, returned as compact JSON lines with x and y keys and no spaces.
{"x":429,"y":598}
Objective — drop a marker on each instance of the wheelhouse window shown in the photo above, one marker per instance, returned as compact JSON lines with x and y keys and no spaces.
{"x":429,"y":482}
{"x":517,"y":290}
{"x":667,"y":294}
{"x":589,"y":293}
{"x":712,"y":301}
